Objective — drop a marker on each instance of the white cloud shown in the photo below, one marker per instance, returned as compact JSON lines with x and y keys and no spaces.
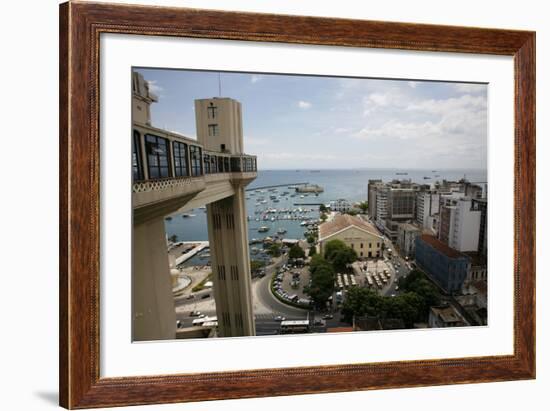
{"x":304,"y":104}
{"x":465,"y":102}
{"x":155,"y":88}
{"x":395,"y":129}
{"x":470,"y":88}
{"x":256,"y":77}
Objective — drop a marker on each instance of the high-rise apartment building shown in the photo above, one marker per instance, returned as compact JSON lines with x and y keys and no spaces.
{"x":427,"y":204}
{"x":459,"y":222}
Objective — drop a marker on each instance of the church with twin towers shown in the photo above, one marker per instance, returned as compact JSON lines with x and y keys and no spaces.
{"x":172,"y":174}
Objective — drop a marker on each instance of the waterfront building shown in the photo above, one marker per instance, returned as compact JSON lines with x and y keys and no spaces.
{"x":459,"y":222}
{"x":172,"y":174}
{"x":427,"y":205}
{"x":445,"y":265}
{"x":381,"y":202}
{"x":406,"y":238}
{"x":395,"y":203}
{"x":445,"y":316}
{"x":371,"y":192}
{"x":356,"y":233}
{"x":341,"y":205}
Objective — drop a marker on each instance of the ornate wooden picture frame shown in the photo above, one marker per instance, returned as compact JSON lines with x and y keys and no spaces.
{"x":81,"y":25}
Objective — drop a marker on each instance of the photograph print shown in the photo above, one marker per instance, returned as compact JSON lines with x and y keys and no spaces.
{"x":282,"y":204}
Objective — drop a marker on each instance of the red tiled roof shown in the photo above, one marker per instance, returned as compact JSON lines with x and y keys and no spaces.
{"x":440,"y":246}
{"x":342,"y":221}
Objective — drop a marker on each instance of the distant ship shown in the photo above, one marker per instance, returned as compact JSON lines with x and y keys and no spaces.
{"x":263,"y":229}
{"x":401,"y":174}
{"x":281,"y":230}
{"x":426,"y":178}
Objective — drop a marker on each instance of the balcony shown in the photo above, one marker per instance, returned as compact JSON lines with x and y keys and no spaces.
{"x":161,"y":197}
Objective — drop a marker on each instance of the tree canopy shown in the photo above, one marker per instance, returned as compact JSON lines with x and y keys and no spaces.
{"x":274,"y":250}
{"x":256,"y":265}
{"x":411,"y":306}
{"x":296,"y":252}
{"x":339,"y":254}
{"x":322,"y":280}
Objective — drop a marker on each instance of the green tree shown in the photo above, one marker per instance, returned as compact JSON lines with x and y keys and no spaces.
{"x":312,"y":251}
{"x":310,"y":239}
{"x":256,"y":265}
{"x":274,"y":250}
{"x":364,"y":206}
{"x":322,"y":280}
{"x":296,"y":252}
{"x":323,"y":208}
{"x":173,"y":238}
{"x":323,"y":217}
{"x":363,"y":301}
{"x":339,"y":254}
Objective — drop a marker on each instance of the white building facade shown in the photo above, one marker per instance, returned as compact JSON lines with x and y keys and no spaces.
{"x":427,"y":205}
{"x":459,"y":223}
{"x":341,"y":205}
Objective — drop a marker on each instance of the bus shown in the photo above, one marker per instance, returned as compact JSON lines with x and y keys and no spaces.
{"x":294,"y":326}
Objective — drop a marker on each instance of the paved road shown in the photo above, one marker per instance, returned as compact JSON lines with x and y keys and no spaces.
{"x":265,"y":302}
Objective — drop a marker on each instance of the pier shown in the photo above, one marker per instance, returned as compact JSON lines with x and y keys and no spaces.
{"x":277,"y":185}
{"x":200,"y":245}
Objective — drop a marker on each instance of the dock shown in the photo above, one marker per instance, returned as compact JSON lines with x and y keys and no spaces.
{"x":201,"y":245}
{"x":277,"y":185}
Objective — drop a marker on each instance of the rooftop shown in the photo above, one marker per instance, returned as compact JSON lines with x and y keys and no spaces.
{"x":409,"y":227}
{"x":477,"y":259}
{"x":343,"y":221}
{"x":440,"y":246}
{"x":447,"y":314}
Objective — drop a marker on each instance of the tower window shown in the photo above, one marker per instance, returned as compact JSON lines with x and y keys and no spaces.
{"x":213,"y":130}
{"x":212,"y":112}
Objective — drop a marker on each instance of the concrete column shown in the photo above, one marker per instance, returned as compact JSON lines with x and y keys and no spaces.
{"x":228,"y":237}
{"x":154,"y":314}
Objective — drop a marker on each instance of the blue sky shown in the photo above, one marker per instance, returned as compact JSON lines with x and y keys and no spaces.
{"x":326,"y":122}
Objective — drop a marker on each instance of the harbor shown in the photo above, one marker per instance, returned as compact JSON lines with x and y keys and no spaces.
{"x":272,"y":201}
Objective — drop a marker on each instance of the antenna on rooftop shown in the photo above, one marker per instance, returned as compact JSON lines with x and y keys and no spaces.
{"x":219,"y":84}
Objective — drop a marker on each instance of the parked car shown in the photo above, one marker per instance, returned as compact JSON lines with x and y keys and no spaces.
{"x":279,"y":318}
{"x":194,"y":313}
